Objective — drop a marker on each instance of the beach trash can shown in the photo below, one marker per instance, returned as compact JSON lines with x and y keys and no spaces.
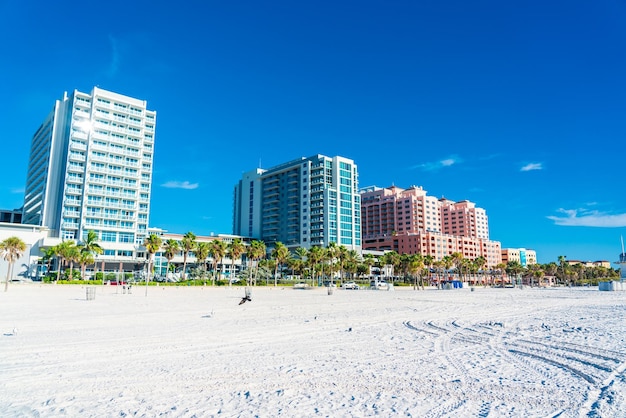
{"x":330,"y":290}
{"x":91,"y":292}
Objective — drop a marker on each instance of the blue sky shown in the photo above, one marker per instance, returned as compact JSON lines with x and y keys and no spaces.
{"x":518,"y":106}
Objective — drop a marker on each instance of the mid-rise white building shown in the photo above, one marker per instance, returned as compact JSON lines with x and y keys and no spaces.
{"x":302,"y":203}
{"x":90,"y":168}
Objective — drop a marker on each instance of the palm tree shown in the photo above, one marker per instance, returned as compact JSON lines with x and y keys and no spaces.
{"x":551,"y":270}
{"x":235,"y":250}
{"x":217,"y":249}
{"x":255,"y":252}
{"x":302,"y":254}
{"x":170,"y":248}
{"x":457,"y":262}
{"x":296,"y":265}
{"x":391,"y":258}
{"x":73,"y":256}
{"x":448,"y":262}
{"x":187,"y":244}
{"x":480,"y":262}
{"x":418,"y":263}
{"x":48,"y":255}
{"x":84,"y":259}
{"x":404,"y":265}
{"x":564,"y":267}
{"x":513,"y":269}
{"x":280,"y":253}
{"x":350,"y":262}
{"x":153,"y":244}
{"x":314,"y":257}
{"x":428,"y":263}
{"x":369,"y":260}
{"x":332,"y":252}
{"x":90,"y":246}
{"x":500,"y":269}
{"x":12,"y":249}
{"x":438,"y":266}
{"x":343,"y":256}
{"x":202,"y":253}
{"x":65,"y":252}
{"x":536,"y":273}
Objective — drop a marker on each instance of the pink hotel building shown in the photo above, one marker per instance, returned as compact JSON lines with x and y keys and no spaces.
{"x":410,"y":222}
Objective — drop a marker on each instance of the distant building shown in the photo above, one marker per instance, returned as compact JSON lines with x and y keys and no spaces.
{"x":11,"y":216}
{"x":600,"y":263}
{"x":409,"y":221}
{"x":90,"y":168}
{"x":302,"y":203}
{"x":226,"y":266}
{"x":522,"y":256}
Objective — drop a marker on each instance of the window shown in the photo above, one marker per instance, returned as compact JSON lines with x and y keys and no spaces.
{"x":108,"y":236}
{"x":126,"y":237}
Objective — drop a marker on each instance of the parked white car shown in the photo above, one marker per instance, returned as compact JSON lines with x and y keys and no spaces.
{"x":379,"y":285}
{"x":351,"y":286}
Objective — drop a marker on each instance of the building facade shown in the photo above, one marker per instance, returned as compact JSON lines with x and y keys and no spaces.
{"x":522,"y":256}
{"x":11,"y":216}
{"x":409,"y":221}
{"x":90,"y":168}
{"x":302,"y":203}
{"x":35,"y":237}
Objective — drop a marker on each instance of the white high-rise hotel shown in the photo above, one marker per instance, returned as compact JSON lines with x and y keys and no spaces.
{"x":90,"y":168}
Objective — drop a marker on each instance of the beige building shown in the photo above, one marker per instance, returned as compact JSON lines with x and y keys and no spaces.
{"x":599,"y":263}
{"x":520,"y":255}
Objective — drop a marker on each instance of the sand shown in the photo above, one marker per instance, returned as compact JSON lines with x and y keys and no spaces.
{"x":195,"y":352}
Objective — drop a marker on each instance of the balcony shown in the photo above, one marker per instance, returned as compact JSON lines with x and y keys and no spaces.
{"x":79,"y":135}
{"x":73,"y":190}
{"x":72,"y":202}
{"x":76,"y":168}
{"x":96,"y":203}
{"x":74,"y":179}
{"x":77,"y":157}
{"x":97,"y":181}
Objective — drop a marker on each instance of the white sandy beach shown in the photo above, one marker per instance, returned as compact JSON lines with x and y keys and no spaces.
{"x":194,"y":352}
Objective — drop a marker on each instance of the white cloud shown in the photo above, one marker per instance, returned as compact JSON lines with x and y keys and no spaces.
{"x":436,"y":165}
{"x":17,"y":191}
{"x":589,"y":218}
{"x":532,"y":166}
{"x":180,"y":185}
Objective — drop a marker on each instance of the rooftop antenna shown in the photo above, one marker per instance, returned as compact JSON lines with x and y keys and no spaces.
{"x":260,"y":162}
{"x":622,"y":238}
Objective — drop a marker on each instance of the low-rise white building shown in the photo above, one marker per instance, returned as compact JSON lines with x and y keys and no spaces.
{"x":35,"y":237}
